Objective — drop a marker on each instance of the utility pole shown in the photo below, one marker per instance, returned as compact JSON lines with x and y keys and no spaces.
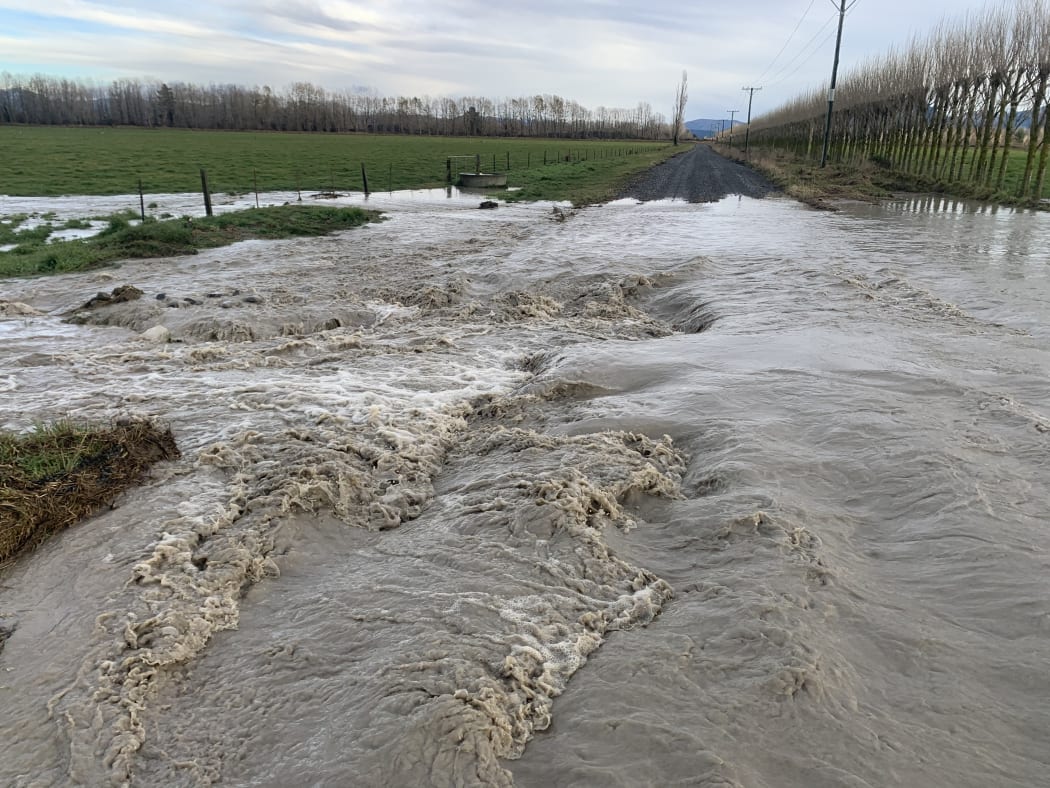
{"x":731,"y":112}
{"x":723,"y":130}
{"x":747,"y":131}
{"x":834,"y":72}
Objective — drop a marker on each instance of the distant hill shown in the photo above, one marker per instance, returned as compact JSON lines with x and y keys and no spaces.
{"x":709,"y":127}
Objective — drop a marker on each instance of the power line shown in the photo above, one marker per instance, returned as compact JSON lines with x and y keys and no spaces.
{"x":817,"y":49}
{"x":781,"y":52}
{"x":779,"y":77}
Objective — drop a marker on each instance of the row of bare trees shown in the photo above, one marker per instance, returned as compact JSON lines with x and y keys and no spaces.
{"x":45,"y":100}
{"x":950,"y":107}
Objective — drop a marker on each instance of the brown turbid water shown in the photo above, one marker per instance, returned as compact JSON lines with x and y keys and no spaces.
{"x":735,"y":494}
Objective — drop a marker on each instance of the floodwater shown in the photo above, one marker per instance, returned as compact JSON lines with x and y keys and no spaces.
{"x":737,"y":494}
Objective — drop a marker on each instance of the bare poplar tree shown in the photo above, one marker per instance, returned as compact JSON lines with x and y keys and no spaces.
{"x":681,"y":96}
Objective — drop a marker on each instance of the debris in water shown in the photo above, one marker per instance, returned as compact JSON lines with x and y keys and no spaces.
{"x":119,"y":295}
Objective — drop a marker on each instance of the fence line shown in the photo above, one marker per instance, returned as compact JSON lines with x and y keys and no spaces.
{"x":343,"y":179}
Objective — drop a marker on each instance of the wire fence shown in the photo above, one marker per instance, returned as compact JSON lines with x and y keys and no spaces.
{"x":341,"y":178}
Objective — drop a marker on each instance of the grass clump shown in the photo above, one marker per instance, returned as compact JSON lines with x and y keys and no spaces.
{"x":121,"y":240}
{"x":48,"y":451}
{"x":61,"y":472}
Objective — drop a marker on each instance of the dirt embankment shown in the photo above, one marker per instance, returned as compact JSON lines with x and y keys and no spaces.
{"x":700,"y":175}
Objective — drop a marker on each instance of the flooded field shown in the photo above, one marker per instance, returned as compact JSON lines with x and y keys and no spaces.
{"x":736,"y":494}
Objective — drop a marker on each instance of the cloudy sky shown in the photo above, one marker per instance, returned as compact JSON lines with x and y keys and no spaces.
{"x":598,"y":52}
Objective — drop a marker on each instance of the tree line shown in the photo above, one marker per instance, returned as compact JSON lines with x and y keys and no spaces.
{"x":949,"y":107}
{"x":47,"y":100}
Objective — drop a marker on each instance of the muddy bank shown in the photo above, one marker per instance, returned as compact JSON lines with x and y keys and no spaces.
{"x":32,"y":507}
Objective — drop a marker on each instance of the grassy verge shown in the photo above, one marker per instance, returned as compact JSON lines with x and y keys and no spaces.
{"x":59,"y":473}
{"x":807,"y":182}
{"x":47,"y":161}
{"x":122,"y":240}
{"x":586,"y":182}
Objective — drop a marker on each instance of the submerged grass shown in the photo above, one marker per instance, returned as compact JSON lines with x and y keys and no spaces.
{"x":12,"y":231}
{"x":122,"y":240}
{"x":63,"y":471}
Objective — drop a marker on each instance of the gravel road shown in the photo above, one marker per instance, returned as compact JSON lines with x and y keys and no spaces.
{"x":698,"y":176}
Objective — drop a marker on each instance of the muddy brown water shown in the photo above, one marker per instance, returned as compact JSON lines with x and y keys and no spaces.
{"x":666,"y":494}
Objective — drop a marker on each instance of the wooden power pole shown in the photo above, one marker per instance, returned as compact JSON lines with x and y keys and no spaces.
{"x":834,"y":72}
{"x":747,"y":131}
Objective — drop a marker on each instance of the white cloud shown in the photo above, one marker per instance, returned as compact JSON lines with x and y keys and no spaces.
{"x":597,"y":52}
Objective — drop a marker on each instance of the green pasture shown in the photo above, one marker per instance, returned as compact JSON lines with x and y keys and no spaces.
{"x":1015,"y":171}
{"x":1007,"y":193}
{"x":44,"y":161}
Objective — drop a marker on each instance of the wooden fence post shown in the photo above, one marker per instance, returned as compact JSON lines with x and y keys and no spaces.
{"x":142,"y":202}
{"x":508,"y":161}
{"x":477,"y":163}
{"x":364,"y":178}
{"x":448,"y":170}
{"x":255,"y":182}
{"x":207,"y":194}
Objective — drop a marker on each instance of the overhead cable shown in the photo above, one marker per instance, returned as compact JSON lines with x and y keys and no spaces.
{"x":789,"y":38}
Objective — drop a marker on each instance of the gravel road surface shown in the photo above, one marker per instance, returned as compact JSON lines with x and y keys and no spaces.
{"x":698,"y":176}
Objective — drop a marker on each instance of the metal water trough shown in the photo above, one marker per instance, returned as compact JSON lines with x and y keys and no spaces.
{"x":476,"y":179}
{"x":482,"y":180}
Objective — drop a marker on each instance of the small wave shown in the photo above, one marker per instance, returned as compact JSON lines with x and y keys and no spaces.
{"x":899,"y":294}
{"x":1009,"y":405}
